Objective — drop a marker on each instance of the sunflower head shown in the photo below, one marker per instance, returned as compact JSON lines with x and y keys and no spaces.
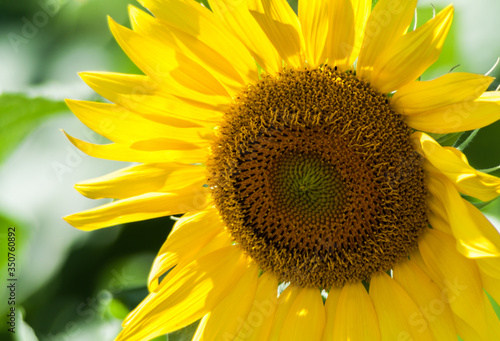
{"x":296,"y":147}
{"x":315,"y":177}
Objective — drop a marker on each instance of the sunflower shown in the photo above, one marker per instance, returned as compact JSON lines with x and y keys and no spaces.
{"x":302,"y":151}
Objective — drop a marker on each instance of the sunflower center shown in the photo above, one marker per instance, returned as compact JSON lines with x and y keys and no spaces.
{"x":315,"y":178}
{"x":305,"y":184}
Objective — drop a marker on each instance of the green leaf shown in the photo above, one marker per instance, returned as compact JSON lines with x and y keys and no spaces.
{"x":446,"y":140}
{"x":19,"y":115}
{"x":184,"y":334}
{"x":13,"y":238}
{"x":476,"y":202}
{"x":481,"y":205}
{"x":118,"y":309}
{"x":204,"y":3}
{"x":494,"y":304}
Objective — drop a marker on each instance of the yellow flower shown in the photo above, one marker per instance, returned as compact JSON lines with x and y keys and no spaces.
{"x":295,"y":148}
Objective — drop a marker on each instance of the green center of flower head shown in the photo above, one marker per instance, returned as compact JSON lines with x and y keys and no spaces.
{"x":305,"y":184}
{"x":314,"y":176}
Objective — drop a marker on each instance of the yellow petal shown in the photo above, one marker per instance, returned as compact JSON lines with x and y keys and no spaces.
{"x":242,"y":24}
{"x":476,"y":236}
{"x":439,"y":208}
{"x":207,"y":43}
{"x":437,"y":222}
{"x":419,"y":97}
{"x":412,"y":54}
{"x":436,"y":312}
{"x":119,"y":152}
{"x":165,"y":143}
{"x":453,"y":164}
{"x":204,"y":27}
{"x":201,"y":327}
{"x":416,"y":257}
{"x":458,"y":277}
{"x":347,"y":22}
{"x":456,"y":117}
{"x":186,"y":297}
{"x":490,"y":276}
{"x":221,"y":240}
{"x":142,"y":207}
{"x":190,"y":234}
{"x":140,"y":179}
{"x":331,"y":311}
{"x":306,"y":317}
{"x":458,"y":153}
{"x":123,"y":126}
{"x":257,"y":325}
{"x":396,"y":311}
{"x":389,"y":20}
{"x":355,"y":318}
{"x":162,"y":63}
{"x":282,"y":27}
{"x":225,"y":320}
{"x":314,"y":21}
{"x":489,"y":266}
{"x":489,"y":242}
{"x":490,"y":96}
{"x":465,"y":331}
{"x":285,"y":302}
{"x":142,"y":95}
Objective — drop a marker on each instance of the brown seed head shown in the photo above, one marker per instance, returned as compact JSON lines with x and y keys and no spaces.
{"x":315,"y":178}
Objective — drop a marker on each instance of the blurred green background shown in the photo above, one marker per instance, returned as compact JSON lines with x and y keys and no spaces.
{"x":75,"y":285}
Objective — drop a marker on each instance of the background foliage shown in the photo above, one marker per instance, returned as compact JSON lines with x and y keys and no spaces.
{"x":76,"y":285}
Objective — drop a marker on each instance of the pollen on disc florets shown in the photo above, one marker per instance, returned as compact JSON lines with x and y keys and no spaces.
{"x":314,"y":176}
